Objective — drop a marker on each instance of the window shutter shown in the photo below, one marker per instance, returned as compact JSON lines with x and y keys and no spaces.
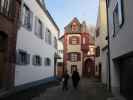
{"x":46,"y":35}
{"x":28,"y":58}
{"x":35,"y":25}
{"x":42,"y":34}
{"x":40,"y":60}
{"x":79,"y":57}
{"x":45,"y":61}
{"x":50,"y":38}
{"x":69,"y":56}
{"x":33,"y":60}
{"x":97,"y":51}
{"x":70,"y":40}
{"x":17,"y":58}
{"x":31,"y":20}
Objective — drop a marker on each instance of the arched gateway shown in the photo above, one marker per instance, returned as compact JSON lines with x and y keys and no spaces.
{"x":89,"y":68}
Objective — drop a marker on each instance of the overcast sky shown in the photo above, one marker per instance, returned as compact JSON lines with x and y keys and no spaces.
{"x":63,"y":11}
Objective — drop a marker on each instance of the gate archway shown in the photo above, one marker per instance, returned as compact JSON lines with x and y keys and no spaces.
{"x":89,"y":68}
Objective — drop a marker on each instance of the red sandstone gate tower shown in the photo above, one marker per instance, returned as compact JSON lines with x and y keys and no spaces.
{"x":76,"y":46}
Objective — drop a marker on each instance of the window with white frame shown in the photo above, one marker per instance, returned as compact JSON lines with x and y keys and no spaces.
{"x":22,"y":57}
{"x":55,"y":42}
{"x":118,"y":19}
{"x":27,"y":17}
{"x":37,"y":60}
{"x":38,"y":28}
{"x":74,"y":40}
{"x":74,"y":57}
{"x":47,"y":62}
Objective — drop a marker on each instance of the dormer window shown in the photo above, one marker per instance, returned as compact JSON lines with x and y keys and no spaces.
{"x":74,"y":27}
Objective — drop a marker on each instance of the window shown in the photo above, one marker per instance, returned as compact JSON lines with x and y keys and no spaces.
{"x":27,"y":18}
{"x":48,"y":36}
{"x":74,"y":56}
{"x":98,"y":51}
{"x":38,"y":28}
{"x":47,"y":62}
{"x":118,"y":19}
{"x":74,"y":27}
{"x":55,"y":43}
{"x":7,"y":7}
{"x":22,"y":57}
{"x":60,"y":51}
{"x":37,"y":60}
{"x":97,"y":32}
{"x":84,"y":40}
{"x":74,"y":40}
{"x":60,"y":64}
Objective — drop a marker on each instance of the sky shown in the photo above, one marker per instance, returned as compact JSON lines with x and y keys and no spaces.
{"x":63,"y":11}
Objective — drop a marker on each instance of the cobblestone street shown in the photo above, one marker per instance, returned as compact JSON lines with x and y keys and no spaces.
{"x":89,"y":89}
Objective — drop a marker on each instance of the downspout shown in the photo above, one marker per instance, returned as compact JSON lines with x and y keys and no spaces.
{"x":108,"y":39}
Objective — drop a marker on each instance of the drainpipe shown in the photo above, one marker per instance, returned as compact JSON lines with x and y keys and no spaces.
{"x":108,"y":39}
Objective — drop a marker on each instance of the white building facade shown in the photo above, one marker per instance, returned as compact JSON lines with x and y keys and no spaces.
{"x":36,"y":44}
{"x":121,"y":49}
{"x":60,"y":63}
{"x":101,"y":68}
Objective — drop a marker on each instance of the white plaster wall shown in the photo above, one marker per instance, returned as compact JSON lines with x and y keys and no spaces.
{"x":26,"y":40}
{"x":101,"y":39}
{"x":60,"y":47}
{"x":121,"y":44}
{"x":104,"y":67}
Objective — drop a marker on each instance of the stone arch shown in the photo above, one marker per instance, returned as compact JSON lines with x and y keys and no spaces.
{"x":88,"y":68}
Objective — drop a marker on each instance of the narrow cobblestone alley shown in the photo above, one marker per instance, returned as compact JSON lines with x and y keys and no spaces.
{"x":89,"y":89}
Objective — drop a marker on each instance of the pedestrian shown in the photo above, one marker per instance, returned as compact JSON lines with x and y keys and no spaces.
{"x":75,"y":78}
{"x":65,"y":81}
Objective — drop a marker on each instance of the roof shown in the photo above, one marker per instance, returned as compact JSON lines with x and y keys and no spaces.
{"x":48,"y":14}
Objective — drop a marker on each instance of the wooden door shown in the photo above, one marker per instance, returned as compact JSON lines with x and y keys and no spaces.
{"x":2,"y":59}
{"x":1,"y":68}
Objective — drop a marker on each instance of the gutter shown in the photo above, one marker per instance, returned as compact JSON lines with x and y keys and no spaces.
{"x":108,"y":39}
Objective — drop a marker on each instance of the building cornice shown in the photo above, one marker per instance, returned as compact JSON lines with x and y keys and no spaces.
{"x":48,"y":15}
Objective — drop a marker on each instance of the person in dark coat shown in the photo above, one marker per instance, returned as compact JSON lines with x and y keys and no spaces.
{"x":65,"y":81}
{"x":75,"y":78}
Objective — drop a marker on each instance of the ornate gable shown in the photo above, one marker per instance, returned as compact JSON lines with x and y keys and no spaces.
{"x":73,"y":27}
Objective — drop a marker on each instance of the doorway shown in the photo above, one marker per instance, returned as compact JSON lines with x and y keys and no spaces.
{"x":3,"y":41}
{"x":73,"y":68}
{"x":126,"y":77}
{"x":89,"y":68}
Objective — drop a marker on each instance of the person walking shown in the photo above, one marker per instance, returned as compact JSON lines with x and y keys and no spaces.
{"x":75,"y":78}
{"x":65,"y":81}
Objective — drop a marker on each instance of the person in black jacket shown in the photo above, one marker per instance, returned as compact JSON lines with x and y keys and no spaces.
{"x":65,"y":81}
{"x":75,"y":78}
